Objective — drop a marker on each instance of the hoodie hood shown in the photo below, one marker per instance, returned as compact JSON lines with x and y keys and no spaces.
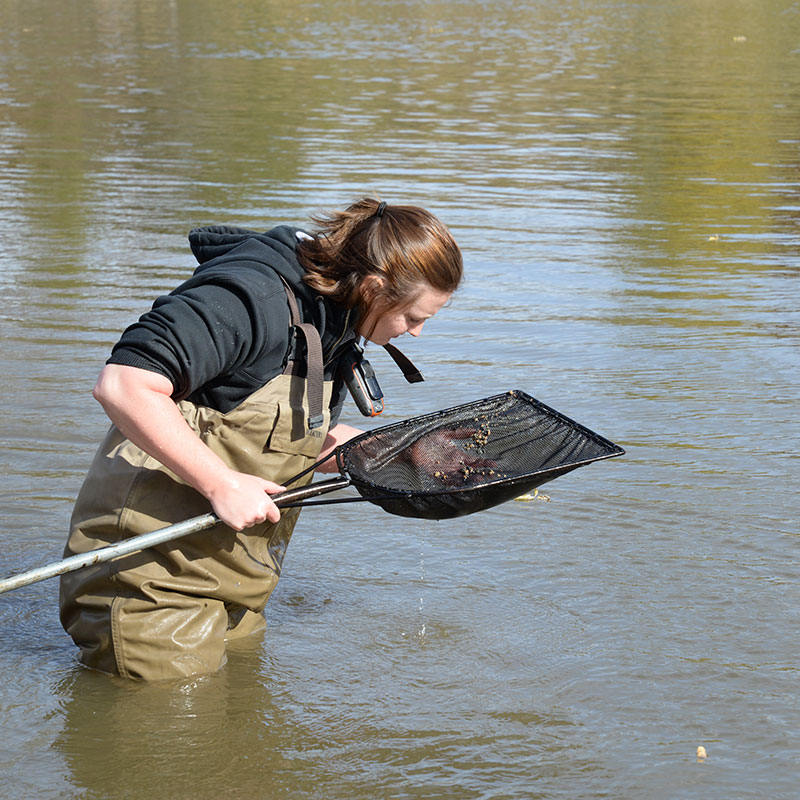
{"x":218,"y":247}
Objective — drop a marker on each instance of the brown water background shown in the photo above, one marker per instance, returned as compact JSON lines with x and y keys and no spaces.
{"x":623,"y":178}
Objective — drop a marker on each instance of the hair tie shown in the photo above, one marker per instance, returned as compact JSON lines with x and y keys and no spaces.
{"x":381,"y":209}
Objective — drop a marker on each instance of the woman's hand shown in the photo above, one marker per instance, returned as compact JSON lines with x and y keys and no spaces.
{"x":242,"y":500}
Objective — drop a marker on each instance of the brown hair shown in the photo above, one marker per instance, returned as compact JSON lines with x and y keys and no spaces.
{"x":406,"y":246}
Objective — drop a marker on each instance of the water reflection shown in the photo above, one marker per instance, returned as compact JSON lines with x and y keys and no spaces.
{"x":229,"y":730}
{"x":123,"y":740}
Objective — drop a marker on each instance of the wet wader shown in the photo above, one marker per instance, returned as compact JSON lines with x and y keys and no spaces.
{"x":166,"y":612}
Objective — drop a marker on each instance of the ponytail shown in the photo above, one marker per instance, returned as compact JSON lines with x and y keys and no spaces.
{"x":406,"y":246}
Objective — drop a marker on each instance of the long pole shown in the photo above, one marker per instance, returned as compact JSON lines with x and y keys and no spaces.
{"x":111,"y":551}
{"x":145,"y":540}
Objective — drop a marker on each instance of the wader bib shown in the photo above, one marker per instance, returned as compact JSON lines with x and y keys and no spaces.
{"x":167,"y":611}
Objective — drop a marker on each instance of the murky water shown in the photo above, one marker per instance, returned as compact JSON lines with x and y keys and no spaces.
{"x":623,"y":178}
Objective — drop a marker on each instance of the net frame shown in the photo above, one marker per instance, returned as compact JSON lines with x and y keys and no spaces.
{"x":365,"y":457}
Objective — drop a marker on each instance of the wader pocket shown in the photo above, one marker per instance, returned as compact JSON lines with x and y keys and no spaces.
{"x":291,"y":433}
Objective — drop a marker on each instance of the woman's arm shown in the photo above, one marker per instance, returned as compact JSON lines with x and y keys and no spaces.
{"x":139,"y":403}
{"x":338,"y":434}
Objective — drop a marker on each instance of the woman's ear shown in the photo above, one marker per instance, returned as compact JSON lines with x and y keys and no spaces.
{"x":372,"y":288}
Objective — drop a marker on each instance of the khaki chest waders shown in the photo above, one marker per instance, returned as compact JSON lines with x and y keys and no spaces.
{"x":166,"y":612}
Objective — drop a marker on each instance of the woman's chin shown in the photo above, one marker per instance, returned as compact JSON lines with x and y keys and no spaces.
{"x":381,"y":341}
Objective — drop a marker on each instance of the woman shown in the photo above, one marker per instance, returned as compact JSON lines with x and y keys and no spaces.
{"x":226,"y":388}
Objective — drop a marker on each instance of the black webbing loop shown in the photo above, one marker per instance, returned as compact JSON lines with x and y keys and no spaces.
{"x":410,"y":372}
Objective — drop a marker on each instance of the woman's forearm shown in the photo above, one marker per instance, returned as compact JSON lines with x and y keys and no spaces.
{"x":139,"y":403}
{"x":338,"y":434}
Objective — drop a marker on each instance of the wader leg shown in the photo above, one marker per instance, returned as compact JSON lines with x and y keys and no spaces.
{"x":178,"y":637}
{"x":87,"y":619}
{"x":243,"y":622}
{"x":164,"y":634}
{"x":168,"y":635}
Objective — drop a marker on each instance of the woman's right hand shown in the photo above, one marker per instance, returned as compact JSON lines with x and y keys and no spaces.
{"x":241,"y":500}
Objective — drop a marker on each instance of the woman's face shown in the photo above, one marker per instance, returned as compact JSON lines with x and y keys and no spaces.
{"x":383,"y":323}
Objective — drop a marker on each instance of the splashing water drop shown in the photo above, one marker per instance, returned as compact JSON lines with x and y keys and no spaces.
{"x":421,"y":631}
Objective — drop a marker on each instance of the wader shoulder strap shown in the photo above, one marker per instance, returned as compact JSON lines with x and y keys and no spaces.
{"x":314,"y":374}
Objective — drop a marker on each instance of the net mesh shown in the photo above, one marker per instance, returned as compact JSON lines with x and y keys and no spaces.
{"x":468,"y":458}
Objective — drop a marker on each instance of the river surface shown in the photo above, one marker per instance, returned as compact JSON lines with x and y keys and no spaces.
{"x":623,"y":179}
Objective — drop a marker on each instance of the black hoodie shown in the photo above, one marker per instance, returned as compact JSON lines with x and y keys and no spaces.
{"x":224,"y":333}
